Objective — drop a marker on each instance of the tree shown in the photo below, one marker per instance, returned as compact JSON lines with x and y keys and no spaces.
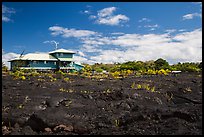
{"x":149,"y":64}
{"x":200,"y":65}
{"x":161,"y":64}
{"x":99,"y":70}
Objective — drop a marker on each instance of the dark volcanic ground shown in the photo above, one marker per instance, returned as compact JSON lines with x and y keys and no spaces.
{"x":103,"y":106}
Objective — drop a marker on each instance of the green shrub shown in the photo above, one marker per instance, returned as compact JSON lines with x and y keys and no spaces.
{"x":116,"y":74}
{"x":66,"y":79}
{"x":133,"y":85}
{"x":139,"y":86}
{"x":23,"y":77}
{"x":151,"y":72}
{"x":162,"y":71}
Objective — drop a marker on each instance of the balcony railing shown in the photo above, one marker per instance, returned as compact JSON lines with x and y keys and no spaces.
{"x":66,"y":67}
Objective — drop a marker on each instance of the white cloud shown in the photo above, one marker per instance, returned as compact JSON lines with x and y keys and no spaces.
{"x":117,"y":33}
{"x":109,"y":56}
{"x":192,"y":37}
{"x":181,"y":30}
{"x":198,"y":3}
{"x":95,"y":42}
{"x":65,"y":32}
{"x":91,"y":41}
{"x":170,"y":30}
{"x":112,"y":20}
{"x":135,"y":40}
{"x":144,"y":20}
{"x":7,"y":10}
{"x":106,"y":12}
{"x":121,"y":47}
{"x":8,"y":56}
{"x":106,"y":17}
{"x":6,"y":13}
{"x":92,"y":17}
{"x":5,"y":19}
{"x":191,"y":16}
{"x":90,"y":48}
{"x":81,"y":53}
{"x":79,"y":59}
{"x":152,"y":27}
{"x":85,"y":12}
{"x":183,"y":47}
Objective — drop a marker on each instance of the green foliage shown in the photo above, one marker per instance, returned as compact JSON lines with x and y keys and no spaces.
{"x":126,"y":72}
{"x":66,"y":79}
{"x":139,"y":86}
{"x":16,"y":68}
{"x":17,"y":74}
{"x":107,"y":91}
{"x":20,"y":106}
{"x":60,"y":72}
{"x":131,"y":65}
{"x":87,"y":68}
{"x":23,"y":77}
{"x":200,"y":65}
{"x":99,"y":70}
{"x":144,"y":86}
{"x":138,"y":74}
{"x":66,"y":90}
{"x":116,"y":74}
{"x":187,"y":90}
{"x":162,"y":71}
{"x":4,"y":67}
{"x":161,"y":64}
{"x":115,"y":68}
{"x":153,"y":89}
{"x":117,"y":123}
{"x":151,"y":72}
{"x":149,"y":65}
{"x":133,"y":85}
{"x":188,"y":67}
{"x":40,"y":79}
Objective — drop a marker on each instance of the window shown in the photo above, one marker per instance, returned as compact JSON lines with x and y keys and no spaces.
{"x":34,"y":62}
{"x":55,"y":63}
{"x":61,"y":54}
{"x":45,"y":62}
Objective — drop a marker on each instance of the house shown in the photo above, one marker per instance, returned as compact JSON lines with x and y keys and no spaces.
{"x":59,"y":59}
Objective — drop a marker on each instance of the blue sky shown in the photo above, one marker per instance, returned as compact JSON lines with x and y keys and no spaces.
{"x":105,"y":32}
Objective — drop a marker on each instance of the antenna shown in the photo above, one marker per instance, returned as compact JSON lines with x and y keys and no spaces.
{"x":21,"y":54}
{"x":56,"y":43}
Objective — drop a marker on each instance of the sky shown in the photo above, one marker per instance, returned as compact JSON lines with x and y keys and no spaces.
{"x":104,"y":32}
